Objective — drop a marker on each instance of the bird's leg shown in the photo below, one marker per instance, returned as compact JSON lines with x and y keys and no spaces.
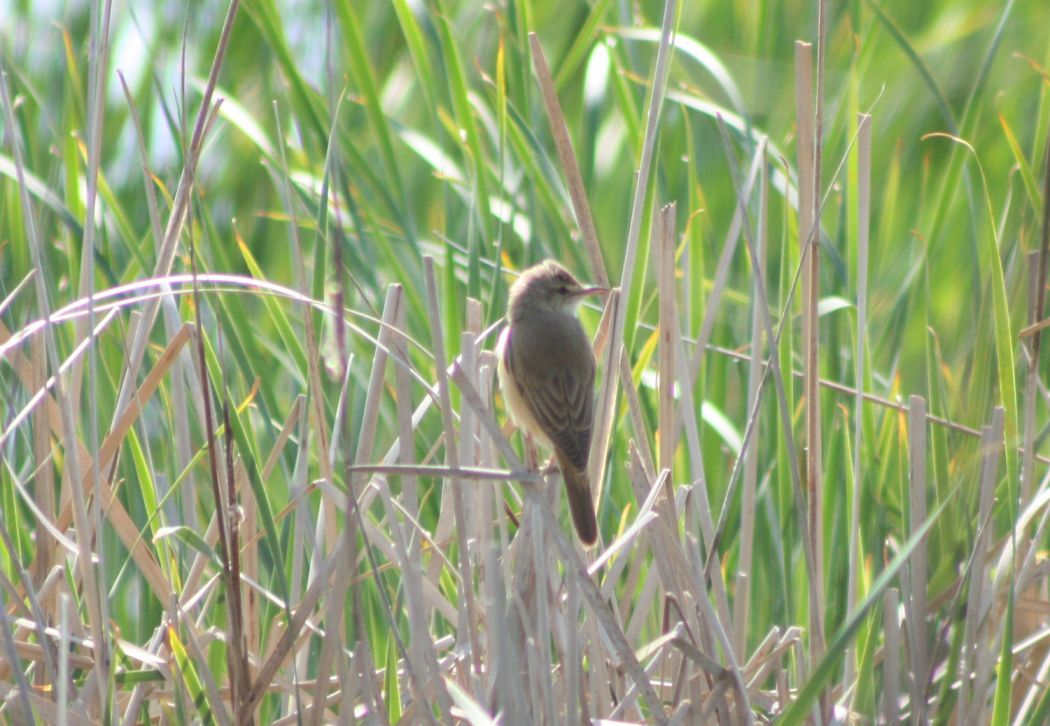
{"x":531,"y":456}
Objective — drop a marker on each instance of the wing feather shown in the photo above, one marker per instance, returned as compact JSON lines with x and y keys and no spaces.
{"x":561,"y":400}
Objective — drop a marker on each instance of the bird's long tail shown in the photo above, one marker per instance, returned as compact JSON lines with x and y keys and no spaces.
{"x":581,"y":505}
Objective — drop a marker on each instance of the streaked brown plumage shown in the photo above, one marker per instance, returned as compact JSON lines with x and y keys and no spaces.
{"x":546,"y":370}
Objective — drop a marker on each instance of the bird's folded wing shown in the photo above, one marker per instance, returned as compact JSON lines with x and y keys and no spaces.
{"x":563,"y":405}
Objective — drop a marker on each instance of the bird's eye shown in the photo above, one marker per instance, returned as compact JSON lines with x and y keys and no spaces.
{"x":563,"y":290}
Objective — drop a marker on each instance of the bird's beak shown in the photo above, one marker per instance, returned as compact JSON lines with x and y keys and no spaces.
{"x":592,"y":291}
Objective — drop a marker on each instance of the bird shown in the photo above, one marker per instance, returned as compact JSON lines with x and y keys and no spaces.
{"x":546,"y":371}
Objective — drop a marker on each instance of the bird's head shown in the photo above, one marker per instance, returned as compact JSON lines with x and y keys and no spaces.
{"x":550,"y":287}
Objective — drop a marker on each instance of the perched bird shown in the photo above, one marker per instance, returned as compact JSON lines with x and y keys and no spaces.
{"x":546,"y":372}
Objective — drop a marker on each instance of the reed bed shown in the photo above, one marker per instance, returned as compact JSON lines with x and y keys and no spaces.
{"x":255,"y":467}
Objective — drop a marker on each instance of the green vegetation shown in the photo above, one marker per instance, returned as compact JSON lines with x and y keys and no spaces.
{"x":311,"y":212}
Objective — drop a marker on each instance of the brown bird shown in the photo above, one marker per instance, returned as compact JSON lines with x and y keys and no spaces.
{"x":546,"y":371}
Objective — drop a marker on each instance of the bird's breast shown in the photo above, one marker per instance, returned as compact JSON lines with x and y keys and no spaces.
{"x":518,"y":407}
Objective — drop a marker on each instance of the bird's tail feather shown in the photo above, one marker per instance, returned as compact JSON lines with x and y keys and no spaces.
{"x":581,"y":505}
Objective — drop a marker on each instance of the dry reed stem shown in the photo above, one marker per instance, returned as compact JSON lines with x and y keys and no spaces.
{"x":634,"y":410}
{"x":569,"y":165}
{"x":467,"y":609}
{"x":97,"y":72}
{"x":47,"y":551}
{"x":809,"y":236}
{"x":741,"y":600}
{"x":991,"y":449}
{"x":668,"y":311}
{"x":915,"y":603}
